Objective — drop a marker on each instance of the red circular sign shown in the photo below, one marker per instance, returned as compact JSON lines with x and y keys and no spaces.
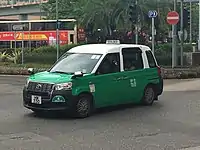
{"x":172,"y":18}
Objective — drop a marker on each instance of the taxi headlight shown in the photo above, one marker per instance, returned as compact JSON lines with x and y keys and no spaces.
{"x":63,"y":86}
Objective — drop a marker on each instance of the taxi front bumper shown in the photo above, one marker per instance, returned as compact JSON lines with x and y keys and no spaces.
{"x":47,"y":103}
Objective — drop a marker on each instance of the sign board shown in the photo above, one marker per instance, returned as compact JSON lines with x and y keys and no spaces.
{"x":152,"y":14}
{"x":172,"y":18}
{"x":18,"y":27}
{"x":48,"y":36}
{"x":112,"y":41}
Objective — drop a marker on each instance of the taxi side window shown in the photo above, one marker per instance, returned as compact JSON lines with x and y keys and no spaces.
{"x":151,"y":60}
{"x":110,"y":64}
{"x":132,"y":58}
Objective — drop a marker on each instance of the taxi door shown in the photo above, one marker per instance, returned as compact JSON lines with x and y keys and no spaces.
{"x":133,"y":74}
{"x":107,"y":81}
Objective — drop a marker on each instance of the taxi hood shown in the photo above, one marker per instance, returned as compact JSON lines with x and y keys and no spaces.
{"x":50,"y":77}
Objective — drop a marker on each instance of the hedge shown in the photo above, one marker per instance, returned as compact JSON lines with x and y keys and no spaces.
{"x":48,"y":54}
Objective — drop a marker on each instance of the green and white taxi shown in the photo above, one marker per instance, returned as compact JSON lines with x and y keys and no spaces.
{"x":94,"y":76}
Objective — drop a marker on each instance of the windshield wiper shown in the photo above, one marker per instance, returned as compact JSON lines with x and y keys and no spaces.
{"x":61,"y":72}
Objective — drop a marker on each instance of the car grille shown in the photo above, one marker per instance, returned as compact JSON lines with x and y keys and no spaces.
{"x":40,"y":87}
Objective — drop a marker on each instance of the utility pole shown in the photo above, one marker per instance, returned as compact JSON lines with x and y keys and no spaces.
{"x":174,"y":41}
{"x":136,"y":25}
{"x":190,"y":22}
{"x":57,"y":30}
{"x":40,"y":10}
{"x":181,"y":52}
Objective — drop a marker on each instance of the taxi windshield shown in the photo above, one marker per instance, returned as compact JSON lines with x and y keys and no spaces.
{"x":73,"y":62}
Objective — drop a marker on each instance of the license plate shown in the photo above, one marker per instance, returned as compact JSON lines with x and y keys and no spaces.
{"x":36,"y":99}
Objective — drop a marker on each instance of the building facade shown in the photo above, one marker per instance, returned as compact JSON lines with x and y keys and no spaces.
{"x":4,"y":3}
{"x":9,"y":4}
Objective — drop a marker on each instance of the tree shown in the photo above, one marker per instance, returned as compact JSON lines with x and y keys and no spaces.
{"x":107,"y":15}
{"x":64,"y":9}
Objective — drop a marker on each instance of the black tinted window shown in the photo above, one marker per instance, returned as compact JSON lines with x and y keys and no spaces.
{"x":110,"y":64}
{"x":151,"y":60}
{"x":132,"y":58}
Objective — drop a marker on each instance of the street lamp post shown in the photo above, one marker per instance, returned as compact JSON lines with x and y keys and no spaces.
{"x":57,"y":30}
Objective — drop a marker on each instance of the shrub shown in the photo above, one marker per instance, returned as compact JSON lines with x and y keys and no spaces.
{"x":15,"y":56}
{"x":48,"y":54}
{"x":3,"y":56}
{"x":163,"y":53}
{"x":43,"y":58}
{"x":53,"y":49}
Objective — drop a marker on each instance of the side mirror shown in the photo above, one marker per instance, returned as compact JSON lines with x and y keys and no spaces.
{"x":77,"y":74}
{"x":31,"y":71}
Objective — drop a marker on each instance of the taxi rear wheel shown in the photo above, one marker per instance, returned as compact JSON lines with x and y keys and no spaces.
{"x":83,"y":106}
{"x":149,"y":95}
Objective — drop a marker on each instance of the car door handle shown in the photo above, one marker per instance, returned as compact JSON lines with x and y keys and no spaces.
{"x":118,"y":79}
{"x":125,"y":77}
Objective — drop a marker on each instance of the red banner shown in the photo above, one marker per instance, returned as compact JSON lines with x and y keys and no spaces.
{"x":49,"y":36}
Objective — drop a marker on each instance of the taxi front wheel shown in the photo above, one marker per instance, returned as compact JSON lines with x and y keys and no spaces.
{"x":149,"y":95}
{"x":83,"y":106}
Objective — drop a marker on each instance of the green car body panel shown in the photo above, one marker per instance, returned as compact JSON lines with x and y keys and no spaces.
{"x":48,"y":77}
{"x":127,"y":86}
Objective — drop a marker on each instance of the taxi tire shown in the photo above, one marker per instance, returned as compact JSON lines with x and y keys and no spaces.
{"x":149,"y":95}
{"x":87,"y":100}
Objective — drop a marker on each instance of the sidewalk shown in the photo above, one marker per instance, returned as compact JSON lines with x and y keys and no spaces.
{"x":182,"y":85}
{"x":192,"y":148}
{"x":175,"y":81}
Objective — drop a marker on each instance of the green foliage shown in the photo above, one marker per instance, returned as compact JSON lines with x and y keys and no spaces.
{"x":163,"y":53}
{"x":48,"y":54}
{"x":65,"y":9}
{"x":107,"y":14}
{"x":166,"y":49}
{"x":53,"y":49}
{"x":3,"y":56}
{"x":15,"y":56}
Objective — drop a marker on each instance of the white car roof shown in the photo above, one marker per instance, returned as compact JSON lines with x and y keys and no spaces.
{"x":104,"y":48}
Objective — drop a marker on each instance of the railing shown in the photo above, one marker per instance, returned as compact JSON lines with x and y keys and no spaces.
{"x":22,"y":3}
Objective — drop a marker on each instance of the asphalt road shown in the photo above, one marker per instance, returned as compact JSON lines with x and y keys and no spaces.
{"x":171,"y":123}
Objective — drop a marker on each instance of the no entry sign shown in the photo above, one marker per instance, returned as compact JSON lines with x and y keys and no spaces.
{"x":172,"y":18}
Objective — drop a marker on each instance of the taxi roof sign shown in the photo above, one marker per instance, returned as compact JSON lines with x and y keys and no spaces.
{"x":113,"y":42}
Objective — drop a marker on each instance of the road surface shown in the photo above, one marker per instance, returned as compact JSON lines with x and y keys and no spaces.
{"x":171,"y":123}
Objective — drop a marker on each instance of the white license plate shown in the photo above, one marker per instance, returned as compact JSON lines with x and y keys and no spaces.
{"x":36,"y":99}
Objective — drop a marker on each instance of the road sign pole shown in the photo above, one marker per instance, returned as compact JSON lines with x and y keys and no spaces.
{"x":172,"y":19}
{"x":153,"y":14}
{"x":174,"y":41}
{"x":199,"y":29}
{"x":173,"y":47}
{"x":153,"y":37}
{"x":136,"y":26}
{"x":181,"y":52}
